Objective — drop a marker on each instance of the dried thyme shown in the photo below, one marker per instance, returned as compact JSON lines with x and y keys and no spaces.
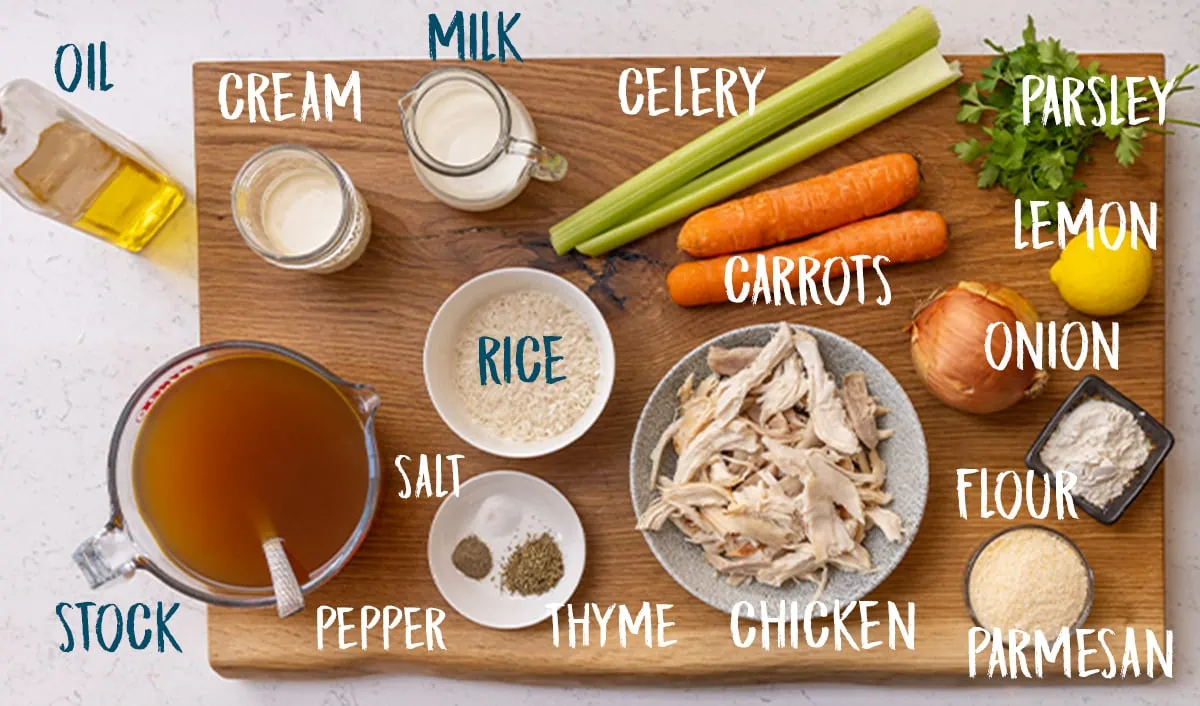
{"x":534,"y":567}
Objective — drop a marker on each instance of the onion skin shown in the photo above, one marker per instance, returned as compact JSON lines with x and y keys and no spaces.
{"x":947,"y":336}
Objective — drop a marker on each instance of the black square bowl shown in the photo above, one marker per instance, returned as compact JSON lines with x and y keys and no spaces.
{"x":1161,"y":441}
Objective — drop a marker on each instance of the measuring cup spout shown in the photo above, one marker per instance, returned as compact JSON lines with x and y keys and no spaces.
{"x":364,"y":398}
{"x":108,"y":555}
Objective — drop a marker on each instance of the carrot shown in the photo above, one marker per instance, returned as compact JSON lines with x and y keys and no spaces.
{"x":791,"y":212}
{"x":908,"y":236}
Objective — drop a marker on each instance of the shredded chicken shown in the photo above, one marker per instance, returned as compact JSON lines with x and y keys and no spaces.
{"x":778,"y":476}
{"x":730,"y":361}
{"x":861,"y":408}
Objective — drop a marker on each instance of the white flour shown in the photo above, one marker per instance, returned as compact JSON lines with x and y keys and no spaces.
{"x":1101,"y":443}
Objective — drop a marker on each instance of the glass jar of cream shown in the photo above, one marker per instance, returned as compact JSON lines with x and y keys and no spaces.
{"x":298,"y":209}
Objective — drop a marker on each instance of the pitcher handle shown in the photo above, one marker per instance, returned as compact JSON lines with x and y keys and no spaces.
{"x":548,"y":165}
{"x":108,"y":555}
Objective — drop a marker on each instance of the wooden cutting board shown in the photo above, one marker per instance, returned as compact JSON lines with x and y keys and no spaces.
{"x":368,"y":324}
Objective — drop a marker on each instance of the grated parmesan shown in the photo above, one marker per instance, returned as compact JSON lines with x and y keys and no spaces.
{"x":1028,"y":579}
{"x":528,"y":411}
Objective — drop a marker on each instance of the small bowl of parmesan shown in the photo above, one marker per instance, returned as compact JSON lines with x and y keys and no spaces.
{"x":1108,"y":443}
{"x":519,"y":362}
{"x":1029,"y":577}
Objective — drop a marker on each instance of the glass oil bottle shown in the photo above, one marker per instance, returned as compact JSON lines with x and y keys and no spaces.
{"x":59,"y":162}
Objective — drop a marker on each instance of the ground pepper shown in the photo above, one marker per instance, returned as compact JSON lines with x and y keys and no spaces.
{"x":534,"y":568}
{"x":472,"y":557}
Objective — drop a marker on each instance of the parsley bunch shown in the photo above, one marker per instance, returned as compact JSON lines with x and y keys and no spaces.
{"x":1037,"y":162}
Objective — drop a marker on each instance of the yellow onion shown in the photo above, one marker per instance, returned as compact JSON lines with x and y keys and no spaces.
{"x":948,"y":334}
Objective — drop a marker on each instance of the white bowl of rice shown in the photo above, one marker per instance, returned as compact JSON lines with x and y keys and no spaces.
{"x":488,"y":372}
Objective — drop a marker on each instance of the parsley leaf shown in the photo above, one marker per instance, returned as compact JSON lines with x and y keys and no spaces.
{"x":1129,"y":145}
{"x":1037,"y":162}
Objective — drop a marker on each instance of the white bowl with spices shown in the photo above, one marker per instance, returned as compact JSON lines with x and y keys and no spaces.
{"x":519,"y":362}
{"x":501,"y":513}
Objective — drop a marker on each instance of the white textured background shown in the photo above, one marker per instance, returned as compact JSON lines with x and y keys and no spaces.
{"x":81,"y":322}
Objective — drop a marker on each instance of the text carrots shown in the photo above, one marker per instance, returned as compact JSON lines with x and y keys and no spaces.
{"x":909,"y":236}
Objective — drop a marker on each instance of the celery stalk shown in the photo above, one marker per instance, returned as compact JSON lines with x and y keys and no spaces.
{"x":910,"y":36}
{"x":914,"y":81}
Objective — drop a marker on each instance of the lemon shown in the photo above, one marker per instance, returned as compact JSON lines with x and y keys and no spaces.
{"x":1103,"y":282}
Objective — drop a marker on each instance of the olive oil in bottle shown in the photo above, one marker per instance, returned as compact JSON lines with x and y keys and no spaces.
{"x":59,"y":162}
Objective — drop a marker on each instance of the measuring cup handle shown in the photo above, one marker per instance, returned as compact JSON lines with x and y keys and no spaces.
{"x":108,"y":555}
{"x":548,"y":165}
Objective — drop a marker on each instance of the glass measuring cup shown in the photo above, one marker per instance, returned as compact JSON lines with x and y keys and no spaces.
{"x":472,"y":143}
{"x":127,"y":543}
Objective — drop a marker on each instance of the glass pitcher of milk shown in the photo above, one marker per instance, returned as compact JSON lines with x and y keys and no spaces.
{"x":472,"y":143}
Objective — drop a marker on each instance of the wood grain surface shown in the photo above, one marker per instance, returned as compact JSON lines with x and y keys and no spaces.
{"x":368,"y":324}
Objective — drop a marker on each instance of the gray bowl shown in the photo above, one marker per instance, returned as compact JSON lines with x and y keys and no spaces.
{"x":907,"y":480}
